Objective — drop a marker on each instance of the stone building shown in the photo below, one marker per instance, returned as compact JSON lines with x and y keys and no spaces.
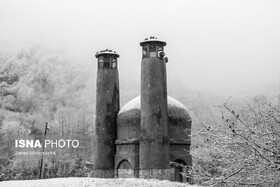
{"x":150,"y":132}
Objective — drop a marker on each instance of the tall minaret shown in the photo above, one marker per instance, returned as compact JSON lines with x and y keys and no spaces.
{"x":154,"y":141}
{"x":107,"y":108}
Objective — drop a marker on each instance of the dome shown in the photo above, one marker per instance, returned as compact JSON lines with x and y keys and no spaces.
{"x":129,"y":120}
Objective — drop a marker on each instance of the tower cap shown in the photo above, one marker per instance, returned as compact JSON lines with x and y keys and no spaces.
{"x":152,"y":39}
{"x":106,"y":52}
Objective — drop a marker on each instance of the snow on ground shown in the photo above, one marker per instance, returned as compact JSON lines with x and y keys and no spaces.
{"x":93,"y":182}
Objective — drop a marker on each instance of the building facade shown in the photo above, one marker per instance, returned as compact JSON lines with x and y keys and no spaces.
{"x":148,"y":134}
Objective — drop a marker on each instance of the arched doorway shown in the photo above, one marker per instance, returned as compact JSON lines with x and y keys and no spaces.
{"x":125,"y":170}
{"x":179,"y":168}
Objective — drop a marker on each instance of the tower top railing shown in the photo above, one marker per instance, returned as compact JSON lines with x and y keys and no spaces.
{"x":106,"y":52}
{"x":152,"y":39}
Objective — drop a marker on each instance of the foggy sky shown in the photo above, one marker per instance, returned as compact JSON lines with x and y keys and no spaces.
{"x":217,"y":45}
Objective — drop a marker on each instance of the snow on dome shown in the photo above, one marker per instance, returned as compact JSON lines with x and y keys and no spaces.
{"x":132,"y":104}
{"x":175,"y":103}
{"x":135,"y":104}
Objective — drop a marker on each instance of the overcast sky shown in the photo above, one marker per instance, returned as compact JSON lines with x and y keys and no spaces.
{"x":211,"y":44}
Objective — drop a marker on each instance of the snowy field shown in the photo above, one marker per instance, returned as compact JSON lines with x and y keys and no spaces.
{"x":92,"y":182}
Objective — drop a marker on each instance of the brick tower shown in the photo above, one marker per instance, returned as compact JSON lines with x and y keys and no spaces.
{"x":154,"y":141}
{"x":107,"y":108}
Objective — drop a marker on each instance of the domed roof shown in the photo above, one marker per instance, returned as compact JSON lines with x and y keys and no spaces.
{"x":129,"y":120}
{"x":135,"y":104}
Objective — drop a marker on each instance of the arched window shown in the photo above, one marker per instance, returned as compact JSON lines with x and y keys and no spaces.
{"x":179,"y":166}
{"x":125,"y":170}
